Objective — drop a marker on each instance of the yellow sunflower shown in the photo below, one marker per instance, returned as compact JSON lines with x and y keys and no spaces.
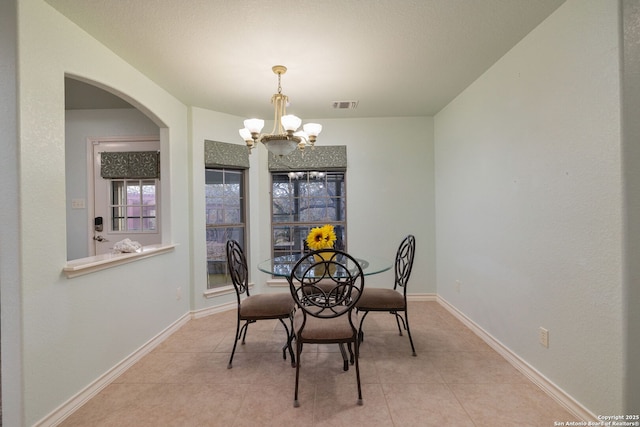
{"x":321,"y":237}
{"x":329,"y":235}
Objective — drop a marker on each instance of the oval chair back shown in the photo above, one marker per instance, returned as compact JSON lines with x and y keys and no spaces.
{"x":404,"y":262}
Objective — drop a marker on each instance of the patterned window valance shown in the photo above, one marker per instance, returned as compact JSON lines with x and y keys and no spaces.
{"x":130,"y":164}
{"x":322,"y":157}
{"x":222,"y":154}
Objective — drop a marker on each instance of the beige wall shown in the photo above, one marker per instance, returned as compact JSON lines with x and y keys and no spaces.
{"x":529,"y":203}
{"x":75,"y":330}
{"x":631,"y":170}
{"x":10,"y":299}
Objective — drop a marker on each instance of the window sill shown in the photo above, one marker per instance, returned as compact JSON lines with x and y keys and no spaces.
{"x":222,"y":290}
{"x":79,"y":267}
{"x":215,"y":292}
{"x":277,"y":283}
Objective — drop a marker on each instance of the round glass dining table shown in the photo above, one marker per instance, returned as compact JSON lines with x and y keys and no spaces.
{"x":281,"y":266}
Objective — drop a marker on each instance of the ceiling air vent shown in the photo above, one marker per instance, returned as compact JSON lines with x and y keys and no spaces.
{"x":345,"y":105}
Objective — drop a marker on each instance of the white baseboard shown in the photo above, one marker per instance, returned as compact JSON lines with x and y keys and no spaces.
{"x":214,"y":310}
{"x":422,"y":297}
{"x":70,"y":406}
{"x":555,"y":392}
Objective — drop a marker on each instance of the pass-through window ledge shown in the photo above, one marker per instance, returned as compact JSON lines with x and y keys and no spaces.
{"x":79,"y":267}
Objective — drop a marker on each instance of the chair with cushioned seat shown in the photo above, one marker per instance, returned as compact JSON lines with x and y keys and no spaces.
{"x":326,"y":291}
{"x":393,"y":300}
{"x":252,"y":308}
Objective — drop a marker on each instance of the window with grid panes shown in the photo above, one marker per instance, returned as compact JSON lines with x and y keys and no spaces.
{"x":225,"y":220}
{"x":133,"y":205}
{"x":303,"y":200}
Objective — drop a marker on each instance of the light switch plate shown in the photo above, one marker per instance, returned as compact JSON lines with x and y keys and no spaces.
{"x":77,"y":204}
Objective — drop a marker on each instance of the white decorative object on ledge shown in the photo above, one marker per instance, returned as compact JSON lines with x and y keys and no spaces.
{"x":127,"y":246}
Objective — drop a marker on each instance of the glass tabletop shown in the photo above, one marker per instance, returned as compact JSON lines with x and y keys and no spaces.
{"x":282,"y":265}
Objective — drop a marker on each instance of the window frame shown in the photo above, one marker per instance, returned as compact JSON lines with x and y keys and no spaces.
{"x":297,"y":177}
{"x":242,"y":225}
{"x":126,"y":218}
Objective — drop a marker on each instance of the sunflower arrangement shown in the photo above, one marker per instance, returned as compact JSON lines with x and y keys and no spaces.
{"x":321,"y":237}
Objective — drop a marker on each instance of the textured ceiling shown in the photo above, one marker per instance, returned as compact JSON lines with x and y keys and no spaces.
{"x":396,"y":57}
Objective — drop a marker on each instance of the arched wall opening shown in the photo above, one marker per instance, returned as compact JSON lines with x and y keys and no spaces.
{"x":95,"y":111}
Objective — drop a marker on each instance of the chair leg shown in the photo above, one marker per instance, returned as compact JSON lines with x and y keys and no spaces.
{"x":344,"y":357}
{"x":288,"y":344}
{"x":357,"y":363}
{"x":413,"y":349}
{"x":235,"y":344}
{"x":284,"y":347}
{"x":398,"y":319}
{"x":245,"y":327}
{"x":292,"y":335}
{"x":296,"y":403}
{"x":360,"y":331}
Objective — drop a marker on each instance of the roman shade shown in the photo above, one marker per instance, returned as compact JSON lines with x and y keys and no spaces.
{"x":130,"y":164}
{"x":322,"y":157}
{"x":224,"y":155}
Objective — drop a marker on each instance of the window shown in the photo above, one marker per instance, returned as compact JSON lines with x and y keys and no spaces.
{"x":301,"y":201}
{"x":133,"y":205}
{"x":225,"y":219}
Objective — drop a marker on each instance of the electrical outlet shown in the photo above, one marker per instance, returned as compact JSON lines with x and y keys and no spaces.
{"x":544,"y":337}
{"x":179,"y":293}
{"x":458,"y":283}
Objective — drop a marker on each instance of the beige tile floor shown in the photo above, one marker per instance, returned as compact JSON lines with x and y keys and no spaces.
{"x":456,"y":380}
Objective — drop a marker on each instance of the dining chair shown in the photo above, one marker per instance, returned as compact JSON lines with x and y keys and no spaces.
{"x":393,"y":300}
{"x":325,"y":291}
{"x":252,"y":308}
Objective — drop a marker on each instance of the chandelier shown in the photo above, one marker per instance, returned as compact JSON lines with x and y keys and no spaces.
{"x":285,"y":137}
